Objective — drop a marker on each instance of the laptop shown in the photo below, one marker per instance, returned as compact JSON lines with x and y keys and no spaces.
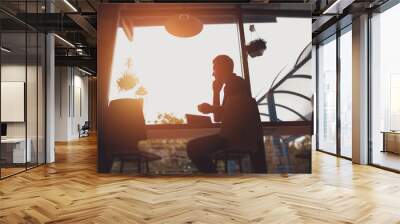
{"x":198,"y":119}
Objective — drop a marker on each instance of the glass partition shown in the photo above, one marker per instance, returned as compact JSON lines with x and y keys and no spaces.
{"x":14,"y":153}
{"x":346,"y":93}
{"x":385,"y":89}
{"x":327,"y":93}
{"x":22,"y":92}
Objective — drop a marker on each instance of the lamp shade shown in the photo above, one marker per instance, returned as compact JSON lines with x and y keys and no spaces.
{"x":183,"y":25}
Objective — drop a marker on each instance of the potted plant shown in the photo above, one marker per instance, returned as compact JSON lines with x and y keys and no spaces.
{"x":256,"y":48}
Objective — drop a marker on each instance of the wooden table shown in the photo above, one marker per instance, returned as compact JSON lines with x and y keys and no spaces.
{"x":391,"y":141}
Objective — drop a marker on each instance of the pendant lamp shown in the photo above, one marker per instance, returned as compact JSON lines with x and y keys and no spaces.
{"x":183,"y":25}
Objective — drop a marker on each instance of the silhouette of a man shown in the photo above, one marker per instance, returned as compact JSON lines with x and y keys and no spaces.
{"x":241,"y":128}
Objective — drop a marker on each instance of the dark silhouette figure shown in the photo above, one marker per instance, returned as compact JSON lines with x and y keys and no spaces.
{"x":241,"y":128}
{"x":124,"y":128}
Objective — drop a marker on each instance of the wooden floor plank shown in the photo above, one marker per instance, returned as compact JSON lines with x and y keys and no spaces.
{"x":71,"y":191}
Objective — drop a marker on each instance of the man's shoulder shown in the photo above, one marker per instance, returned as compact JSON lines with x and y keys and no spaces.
{"x":236,"y":84}
{"x":237,"y":78}
{"x":236,"y":81}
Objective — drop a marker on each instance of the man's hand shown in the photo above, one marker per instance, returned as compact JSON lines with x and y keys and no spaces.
{"x":217,"y":86}
{"x":205,"y":108}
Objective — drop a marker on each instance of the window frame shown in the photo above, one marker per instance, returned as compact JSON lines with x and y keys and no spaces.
{"x":27,"y":29}
{"x":337,"y":34}
{"x":380,"y":9}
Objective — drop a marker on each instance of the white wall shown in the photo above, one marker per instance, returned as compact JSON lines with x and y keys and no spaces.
{"x":33,"y":127}
{"x":12,"y":73}
{"x":61,"y":103}
{"x":80,"y":112}
{"x":71,"y":93}
{"x":16,"y":73}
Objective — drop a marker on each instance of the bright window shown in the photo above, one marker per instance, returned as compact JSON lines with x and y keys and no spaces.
{"x":385,"y":86}
{"x":327,"y":96}
{"x":176,"y":73}
{"x":279,"y":60}
{"x":346,"y":94}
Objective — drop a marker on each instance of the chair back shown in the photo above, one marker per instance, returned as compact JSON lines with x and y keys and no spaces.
{"x":125,"y":126}
{"x":85,"y":126}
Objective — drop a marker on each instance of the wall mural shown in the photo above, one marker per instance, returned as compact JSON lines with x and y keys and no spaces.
{"x":179,"y":95}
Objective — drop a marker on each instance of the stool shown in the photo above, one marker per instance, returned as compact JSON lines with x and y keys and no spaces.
{"x":236,"y":156}
{"x":138,"y":157}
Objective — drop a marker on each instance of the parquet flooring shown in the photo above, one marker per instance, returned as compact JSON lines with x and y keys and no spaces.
{"x":70,"y":191}
{"x":10,"y":171}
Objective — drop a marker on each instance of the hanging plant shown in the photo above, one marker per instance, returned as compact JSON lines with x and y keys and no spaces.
{"x":127,"y":81}
{"x":141,"y":91}
{"x":256,"y":48}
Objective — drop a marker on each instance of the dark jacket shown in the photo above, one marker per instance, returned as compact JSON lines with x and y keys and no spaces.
{"x":241,"y":124}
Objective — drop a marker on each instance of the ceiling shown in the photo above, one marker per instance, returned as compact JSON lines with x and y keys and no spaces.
{"x":76,"y":20}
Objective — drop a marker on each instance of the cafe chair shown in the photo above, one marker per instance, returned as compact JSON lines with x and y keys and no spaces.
{"x":125,"y":127}
{"x":84,"y":130}
{"x":138,"y":157}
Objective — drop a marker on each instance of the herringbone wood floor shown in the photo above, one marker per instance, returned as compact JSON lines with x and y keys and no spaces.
{"x":70,"y":191}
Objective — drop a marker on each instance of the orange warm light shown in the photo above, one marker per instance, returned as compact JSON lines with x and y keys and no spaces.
{"x":128,"y":28}
{"x":175,"y":73}
{"x":183,"y":25}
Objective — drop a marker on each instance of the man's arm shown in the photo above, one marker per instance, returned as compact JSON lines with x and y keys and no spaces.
{"x":217,"y":109}
{"x":206,"y":108}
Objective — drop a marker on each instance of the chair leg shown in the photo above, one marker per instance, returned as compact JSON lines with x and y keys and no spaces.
{"x":226,"y":165}
{"x":251,"y":164}
{"x":139,"y":166}
{"x":239,"y":161}
{"x":147,"y":166}
{"x":121,"y":167}
{"x":112,"y":162}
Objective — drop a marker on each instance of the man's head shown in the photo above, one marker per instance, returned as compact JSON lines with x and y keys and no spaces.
{"x":223,"y":67}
